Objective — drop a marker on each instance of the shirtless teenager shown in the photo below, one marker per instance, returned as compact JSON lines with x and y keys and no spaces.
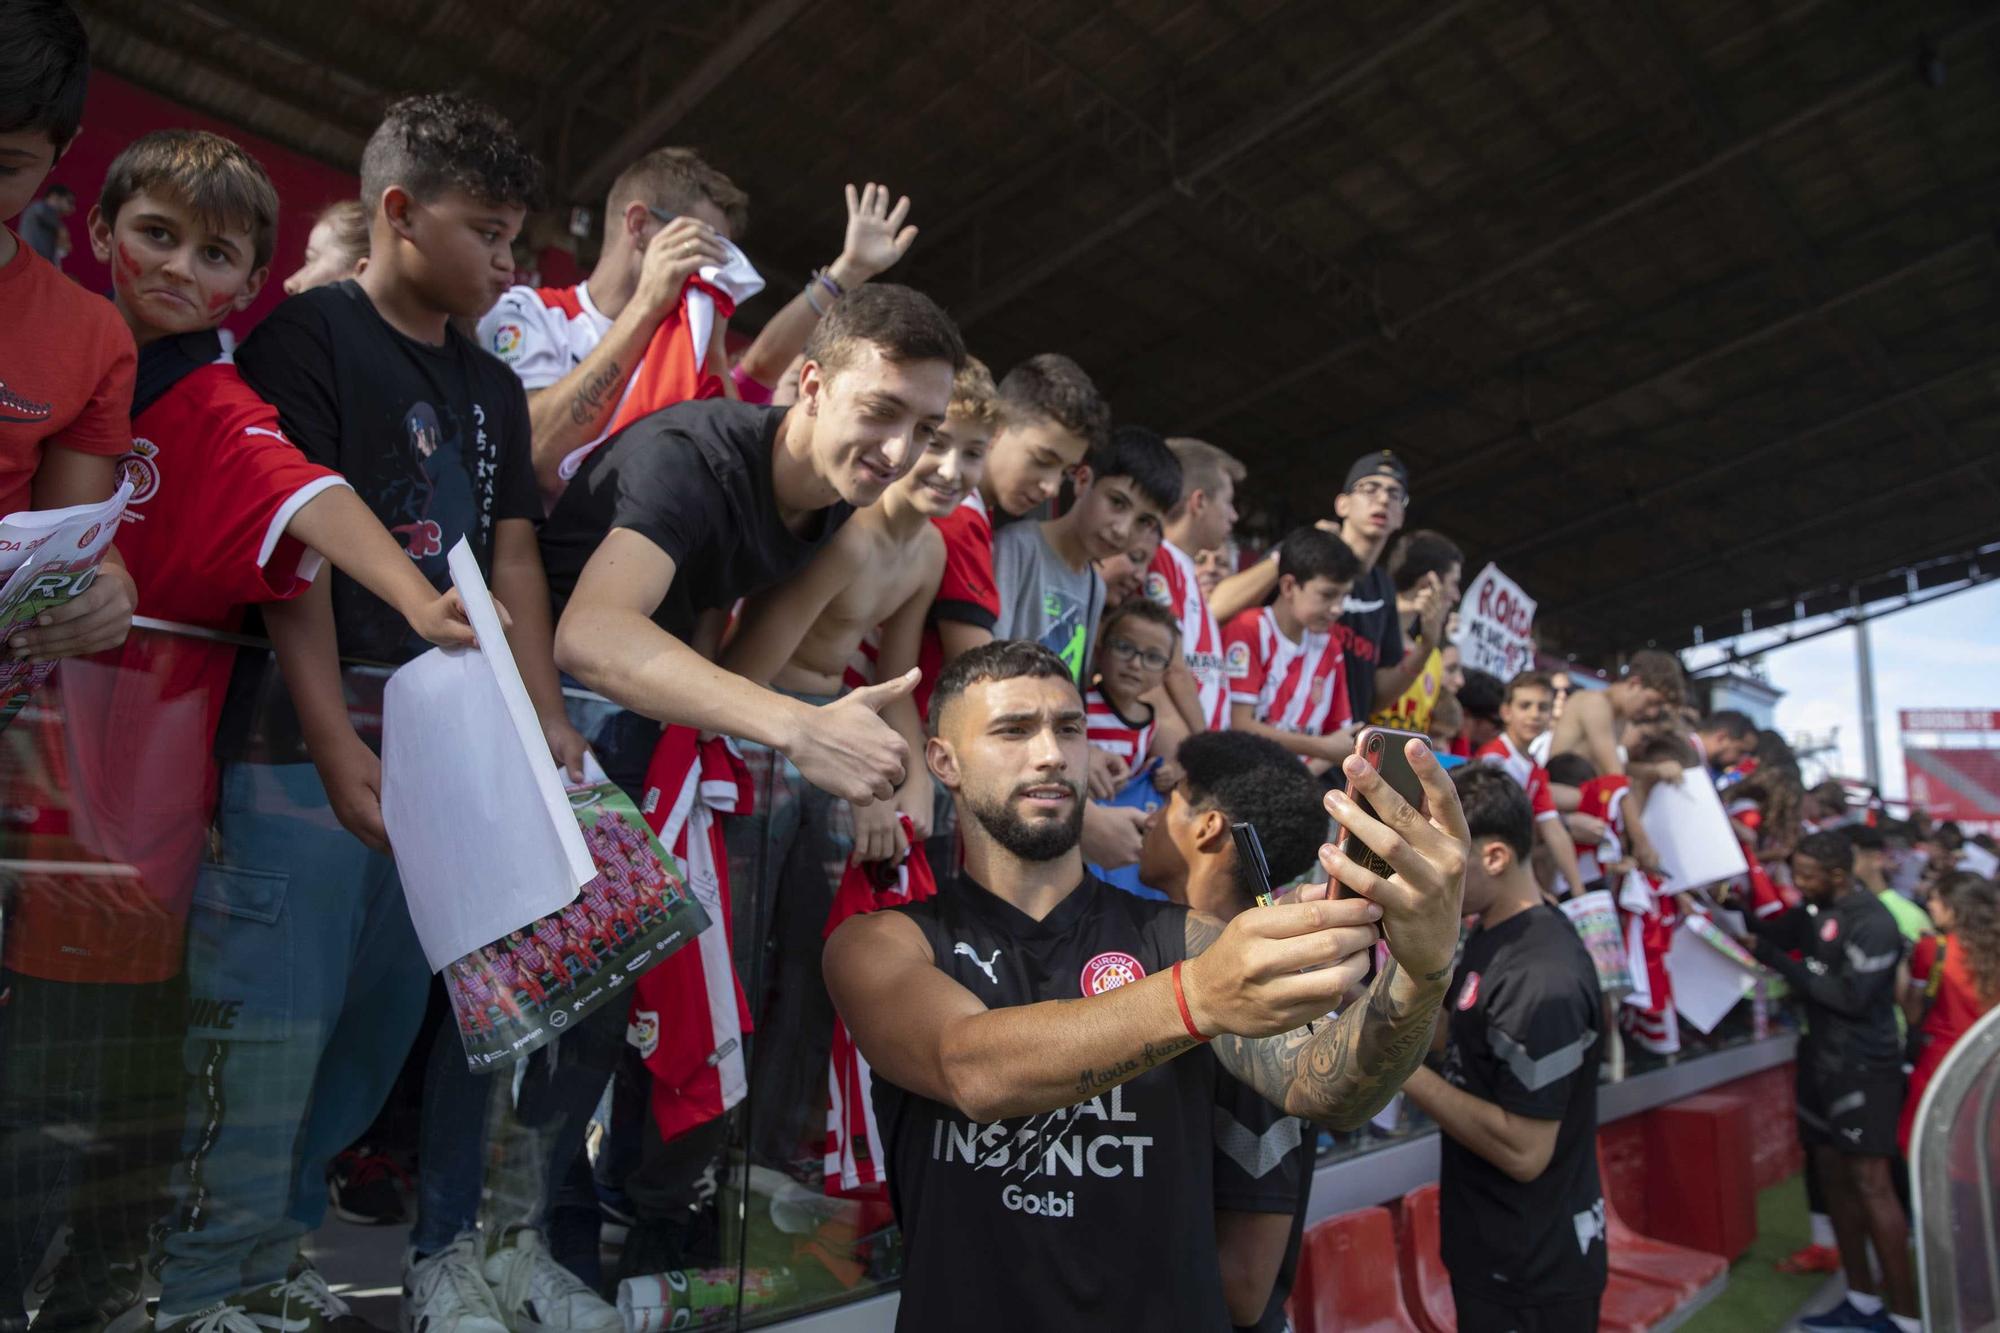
{"x":816,"y":635}
{"x":1590,"y":725}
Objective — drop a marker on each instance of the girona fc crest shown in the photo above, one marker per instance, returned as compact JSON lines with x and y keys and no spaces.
{"x":141,"y":467}
{"x":1109,"y":971}
{"x":1468,"y":994}
{"x":1830,"y":931}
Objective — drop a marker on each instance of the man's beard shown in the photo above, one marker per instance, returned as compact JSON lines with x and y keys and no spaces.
{"x":1042,"y":841}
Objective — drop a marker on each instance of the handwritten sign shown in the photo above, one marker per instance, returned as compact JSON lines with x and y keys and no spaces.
{"x":1496,"y":625}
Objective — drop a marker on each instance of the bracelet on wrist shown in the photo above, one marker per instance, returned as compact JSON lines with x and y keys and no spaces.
{"x":1180,"y":1002}
{"x":817,"y":308}
{"x":828,"y":281}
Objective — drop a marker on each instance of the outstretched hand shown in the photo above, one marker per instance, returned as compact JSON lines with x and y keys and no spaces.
{"x":1421,"y":901}
{"x":876,"y":236}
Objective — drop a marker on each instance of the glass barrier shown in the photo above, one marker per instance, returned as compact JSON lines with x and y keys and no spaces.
{"x":224,"y":1058}
{"x":1955,"y":1184}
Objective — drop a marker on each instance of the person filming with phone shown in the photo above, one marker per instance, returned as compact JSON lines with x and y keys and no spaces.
{"x":1045,"y":1047}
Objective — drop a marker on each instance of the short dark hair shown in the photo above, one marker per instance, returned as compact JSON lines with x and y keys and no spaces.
{"x":1830,"y":847}
{"x":1530,"y":680}
{"x":1737,"y":726}
{"x":1665,"y":743}
{"x":1831,"y":792}
{"x":1140,"y":456}
{"x":213,"y":177}
{"x":900,"y":322}
{"x":1003,"y":659}
{"x":1054,"y":387}
{"x":1866,"y":838}
{"x":1254,"y":780}
{"x":1495,"y":807}
{"x":44,"y":68}
{"x":59,"y":192}
{"x":442,"y":141}
{"x":1482,"y":694}
{"x":1139,"y":608}
{"x":1422,"y":552}
{"x":1313,"y":553}
{"x":1572,"y":770}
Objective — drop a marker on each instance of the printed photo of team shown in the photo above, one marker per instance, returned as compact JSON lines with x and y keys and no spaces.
{"x":523,"y":974}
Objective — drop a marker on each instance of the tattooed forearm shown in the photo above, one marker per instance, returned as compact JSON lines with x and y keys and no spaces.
{"x":1093,"y":1081}
{"x":1348,"y":1070}
{"x":588,"y":404}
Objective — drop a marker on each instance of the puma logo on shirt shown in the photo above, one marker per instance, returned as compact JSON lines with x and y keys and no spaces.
{"x":983,"y":964}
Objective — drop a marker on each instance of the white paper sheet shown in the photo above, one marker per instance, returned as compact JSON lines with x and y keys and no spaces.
{"x":1691,"y":833}
{"x":1706,"y":984}
{"x":483,"y":835}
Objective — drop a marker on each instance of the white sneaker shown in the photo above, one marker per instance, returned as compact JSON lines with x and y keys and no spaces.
{"x":446,"y":1294}
{"x":539,"y":1295}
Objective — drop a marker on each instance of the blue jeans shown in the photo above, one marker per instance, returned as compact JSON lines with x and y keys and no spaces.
{"x":306,"y":989}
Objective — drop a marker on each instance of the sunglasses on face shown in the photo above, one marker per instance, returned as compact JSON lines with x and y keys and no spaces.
{"x":1126,"y":651}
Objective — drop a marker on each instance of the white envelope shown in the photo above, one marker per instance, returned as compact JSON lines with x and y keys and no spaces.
{"x":483,"y":835}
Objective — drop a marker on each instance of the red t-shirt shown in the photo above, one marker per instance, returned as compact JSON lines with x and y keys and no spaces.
{"x":1170,"y":581}
{"x":1534,"y":779}
{"x":966,"y":591}
{"x":66,"y":364}
{"x":1603,"y":797}
{"x":215,"y":482}
{"x":1297,"y":687}
{"x":1954,"y":1004}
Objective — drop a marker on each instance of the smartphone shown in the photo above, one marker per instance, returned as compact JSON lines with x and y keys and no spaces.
{"x":1381,"y":748}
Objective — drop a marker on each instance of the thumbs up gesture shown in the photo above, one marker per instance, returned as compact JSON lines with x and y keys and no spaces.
{"x":847,"y":749}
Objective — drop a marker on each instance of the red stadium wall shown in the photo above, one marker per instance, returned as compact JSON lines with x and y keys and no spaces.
{"x":117,"y":113}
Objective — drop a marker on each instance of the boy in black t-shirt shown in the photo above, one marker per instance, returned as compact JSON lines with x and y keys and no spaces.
{"x":307,"y":981}
{"x":1522,"y":1210}
{"x":1263,"y":1157}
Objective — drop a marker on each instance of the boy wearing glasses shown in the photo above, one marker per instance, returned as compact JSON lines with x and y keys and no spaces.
{"x":1135,"y":645}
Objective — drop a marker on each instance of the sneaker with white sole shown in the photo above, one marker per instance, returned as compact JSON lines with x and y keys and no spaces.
{"x":306,"y":1289}
{"x":446,"y":1293}
{"x":225,"y":1316}
{"x":539,"y":1295}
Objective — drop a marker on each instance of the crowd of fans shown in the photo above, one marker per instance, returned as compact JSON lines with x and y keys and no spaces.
{"x":806,"y":569}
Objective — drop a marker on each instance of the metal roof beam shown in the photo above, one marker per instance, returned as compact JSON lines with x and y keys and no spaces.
{"x":746,"y":38}
{"x":1483,"y":455}
{"x":1190,"y":179}
{"x":1837,"y":100}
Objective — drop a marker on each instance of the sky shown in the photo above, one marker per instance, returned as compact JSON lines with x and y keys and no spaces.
{"x":1944,"y":654}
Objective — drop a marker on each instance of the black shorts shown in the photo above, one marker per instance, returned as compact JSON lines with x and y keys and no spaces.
{"x":1476,"y":1314}
{"x":1852,"y":1114}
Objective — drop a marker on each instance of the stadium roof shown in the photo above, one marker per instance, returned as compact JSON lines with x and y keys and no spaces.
{"x":1674,"y":309}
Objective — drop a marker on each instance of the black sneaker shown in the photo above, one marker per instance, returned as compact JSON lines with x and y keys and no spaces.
{"x":362,"y":1186}
{"x":80,"y":1302}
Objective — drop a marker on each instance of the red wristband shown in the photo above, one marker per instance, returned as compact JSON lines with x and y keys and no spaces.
{"x":1180,"y":999}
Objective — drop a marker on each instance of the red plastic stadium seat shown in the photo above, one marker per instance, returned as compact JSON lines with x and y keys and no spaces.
{"x":1350,"y":1276}
{"x":1676,"y":1267}
{"x":1426,"y":1284}
{"x":1633,"y":1306}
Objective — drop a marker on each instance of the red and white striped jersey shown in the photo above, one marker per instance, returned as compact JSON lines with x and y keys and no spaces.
{"x":1110,"y":730}
{"x":1297,"y":687}
{"x":1170,"y":581}
{"x":1534,"y":779}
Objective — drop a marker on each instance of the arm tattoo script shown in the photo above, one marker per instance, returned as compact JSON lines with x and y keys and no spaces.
{"x":1093,"y":1081}
{"x":588,"y":405}
{"x":1345,"y":1071}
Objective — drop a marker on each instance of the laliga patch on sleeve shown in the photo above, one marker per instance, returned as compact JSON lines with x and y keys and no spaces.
{"x":1156,"y":590}
{"x":1239,"y":660}
{"x":507,"y":341}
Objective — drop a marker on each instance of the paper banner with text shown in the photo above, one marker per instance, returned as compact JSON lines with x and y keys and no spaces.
{"x":1496,"y":625}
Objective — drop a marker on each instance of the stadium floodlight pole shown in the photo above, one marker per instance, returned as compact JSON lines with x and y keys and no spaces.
{"x":1864,"y":670}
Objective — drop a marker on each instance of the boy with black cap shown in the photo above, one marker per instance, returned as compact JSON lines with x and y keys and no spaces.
{"x":1368,"y":513}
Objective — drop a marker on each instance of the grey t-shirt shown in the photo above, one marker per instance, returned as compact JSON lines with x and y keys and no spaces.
{"x":40,"y":225}
{"x":1043,"y":599}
